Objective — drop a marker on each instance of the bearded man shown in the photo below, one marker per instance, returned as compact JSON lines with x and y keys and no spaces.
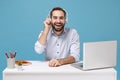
{"x":61,"y":45}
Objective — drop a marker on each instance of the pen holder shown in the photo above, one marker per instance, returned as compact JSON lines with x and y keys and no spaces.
{"x":11,"y":63}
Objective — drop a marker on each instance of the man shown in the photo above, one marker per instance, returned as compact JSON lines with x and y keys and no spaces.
{"x":61,"y":45}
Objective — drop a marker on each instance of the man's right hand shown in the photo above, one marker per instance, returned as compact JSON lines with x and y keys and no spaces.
{"x":47,"y":24}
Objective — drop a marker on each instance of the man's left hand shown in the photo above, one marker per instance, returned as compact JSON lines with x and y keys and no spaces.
{"x":54,"y":63}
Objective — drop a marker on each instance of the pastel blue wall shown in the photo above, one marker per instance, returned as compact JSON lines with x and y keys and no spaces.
{"x":22,"y":20}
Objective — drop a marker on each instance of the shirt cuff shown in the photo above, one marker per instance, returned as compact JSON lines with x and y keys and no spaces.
{"x":39,"y":48}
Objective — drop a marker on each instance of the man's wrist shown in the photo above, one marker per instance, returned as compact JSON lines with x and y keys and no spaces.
{"x":46,"y":30}
{"x":60,"y":61}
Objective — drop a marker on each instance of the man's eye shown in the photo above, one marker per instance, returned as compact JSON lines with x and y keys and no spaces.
{"x":54,"y":17}
{"x":61,"y":18}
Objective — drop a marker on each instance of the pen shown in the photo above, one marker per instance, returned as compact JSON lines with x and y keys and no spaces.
{"x":15,"y":54}
{"x":6,"y":55}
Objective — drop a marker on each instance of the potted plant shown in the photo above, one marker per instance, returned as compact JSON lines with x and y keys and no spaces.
{"x":20,"y":65}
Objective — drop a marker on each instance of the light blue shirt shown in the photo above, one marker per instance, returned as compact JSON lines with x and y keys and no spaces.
{"x":60,"y":46}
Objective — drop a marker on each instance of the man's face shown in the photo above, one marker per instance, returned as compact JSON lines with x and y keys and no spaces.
{"x":58,"y":20}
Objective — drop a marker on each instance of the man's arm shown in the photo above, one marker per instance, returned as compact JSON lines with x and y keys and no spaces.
{"x":43,"y":37}
{"x":59,"y":62}
{"x":41,"y":43}
{"x":68,"y":60}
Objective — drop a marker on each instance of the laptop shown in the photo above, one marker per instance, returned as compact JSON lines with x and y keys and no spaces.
{"x":97,"y":55}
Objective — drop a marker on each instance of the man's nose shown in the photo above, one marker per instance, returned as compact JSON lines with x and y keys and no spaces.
{"x":58,"y":20}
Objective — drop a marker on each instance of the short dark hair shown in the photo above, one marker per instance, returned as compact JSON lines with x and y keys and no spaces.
{"x":58,"y":8}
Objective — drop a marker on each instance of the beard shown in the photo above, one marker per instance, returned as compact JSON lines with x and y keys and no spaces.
{"x":58,"y":26}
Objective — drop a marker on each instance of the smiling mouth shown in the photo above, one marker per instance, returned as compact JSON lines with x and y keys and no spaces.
{"x":58,"y":25}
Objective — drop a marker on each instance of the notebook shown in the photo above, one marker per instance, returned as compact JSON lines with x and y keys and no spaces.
{"x":97,"y":55}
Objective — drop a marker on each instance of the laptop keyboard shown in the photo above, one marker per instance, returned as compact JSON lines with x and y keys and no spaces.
{"x":77,"y":65}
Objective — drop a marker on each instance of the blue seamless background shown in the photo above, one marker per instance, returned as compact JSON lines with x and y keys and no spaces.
{"x":22,"y":20}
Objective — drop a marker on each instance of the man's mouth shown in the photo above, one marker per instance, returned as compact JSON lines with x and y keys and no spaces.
{"x":58,"y":25}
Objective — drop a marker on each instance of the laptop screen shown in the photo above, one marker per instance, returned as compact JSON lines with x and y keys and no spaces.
{"x":99,"y":54}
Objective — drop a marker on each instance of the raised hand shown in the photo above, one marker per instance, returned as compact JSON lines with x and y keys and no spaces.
{"x":47,"y":23}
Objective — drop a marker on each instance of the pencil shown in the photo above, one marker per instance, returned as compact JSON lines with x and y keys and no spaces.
{"x":6,"y":55}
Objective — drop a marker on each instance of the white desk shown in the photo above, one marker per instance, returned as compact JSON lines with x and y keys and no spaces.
{"x":41,"y":71}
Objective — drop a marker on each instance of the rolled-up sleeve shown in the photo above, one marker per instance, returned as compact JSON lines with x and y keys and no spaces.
{"x":39,"y":48}
{"x":75,"y":46}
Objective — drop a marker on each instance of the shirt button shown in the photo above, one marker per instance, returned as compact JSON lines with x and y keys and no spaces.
{"x":57,"y":52}
{"x":57,"y":44}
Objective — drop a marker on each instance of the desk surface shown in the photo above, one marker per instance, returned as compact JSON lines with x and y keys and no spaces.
{"x":39,"y":67}
{"x":42,"y":67}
